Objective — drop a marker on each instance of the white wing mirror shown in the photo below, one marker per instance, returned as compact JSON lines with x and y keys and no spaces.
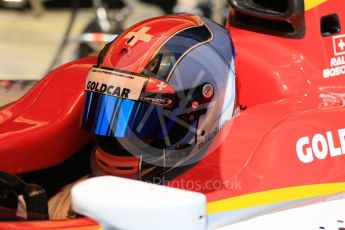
{"x":117,"y":203}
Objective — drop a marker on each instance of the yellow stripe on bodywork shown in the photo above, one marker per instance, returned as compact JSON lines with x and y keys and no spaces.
{"x":309,"y":4}
{"x":274,"y":196}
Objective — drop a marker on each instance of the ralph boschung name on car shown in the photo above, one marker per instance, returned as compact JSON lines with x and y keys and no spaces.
{"x":337,"y":67}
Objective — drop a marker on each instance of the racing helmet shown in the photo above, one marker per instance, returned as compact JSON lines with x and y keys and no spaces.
{"x":158,"y":96}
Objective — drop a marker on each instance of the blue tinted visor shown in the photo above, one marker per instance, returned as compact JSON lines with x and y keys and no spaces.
{"x":122,"y":118}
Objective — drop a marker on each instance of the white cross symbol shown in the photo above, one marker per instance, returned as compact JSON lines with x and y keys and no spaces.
{"x":341,"y":44}
{"x":161,"y":86}
{"x":141,"y":35}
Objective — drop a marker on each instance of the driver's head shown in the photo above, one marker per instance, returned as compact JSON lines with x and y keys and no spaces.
{"x":158,"y":95}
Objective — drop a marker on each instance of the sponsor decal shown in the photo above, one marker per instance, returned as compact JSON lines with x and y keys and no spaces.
{"x":212,"y":135}
{"x":115,"y":83}
{"x":141,"y":35}
{"x":321,"y":146}
{"x":166,"y":102}
{"x":337,"y":63}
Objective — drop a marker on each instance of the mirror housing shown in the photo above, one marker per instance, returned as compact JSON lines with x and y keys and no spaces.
{"x":284,"y":18}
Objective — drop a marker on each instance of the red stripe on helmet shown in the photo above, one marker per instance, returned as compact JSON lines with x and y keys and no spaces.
{"x":134,"y":48}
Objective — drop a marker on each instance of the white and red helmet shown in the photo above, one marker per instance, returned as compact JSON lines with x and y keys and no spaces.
{"x":159,"y":95}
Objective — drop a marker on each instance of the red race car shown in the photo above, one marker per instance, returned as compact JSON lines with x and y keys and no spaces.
{"x":285,"y":144}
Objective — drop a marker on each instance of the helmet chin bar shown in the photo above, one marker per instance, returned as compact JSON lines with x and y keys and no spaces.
{"x":173,"y":165}
{"x":145,"y":166}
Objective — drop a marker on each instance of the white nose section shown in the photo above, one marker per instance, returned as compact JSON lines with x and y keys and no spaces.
{"x":117,"y":203}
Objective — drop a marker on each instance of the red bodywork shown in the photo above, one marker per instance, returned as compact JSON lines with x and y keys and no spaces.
{"x":281,"y":86}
